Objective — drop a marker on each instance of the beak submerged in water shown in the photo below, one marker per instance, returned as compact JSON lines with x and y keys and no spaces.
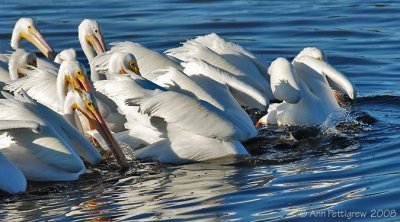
{"x":97,"y":122}
{"x":33,"y":35}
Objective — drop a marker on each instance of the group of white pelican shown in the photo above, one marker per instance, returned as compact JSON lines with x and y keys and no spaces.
{"x":179,"y":106}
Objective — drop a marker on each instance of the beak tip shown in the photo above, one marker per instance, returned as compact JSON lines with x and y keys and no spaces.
{"x":51,"y":54}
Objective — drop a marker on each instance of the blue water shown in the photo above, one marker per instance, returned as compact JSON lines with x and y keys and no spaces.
{"x":344,"y":168}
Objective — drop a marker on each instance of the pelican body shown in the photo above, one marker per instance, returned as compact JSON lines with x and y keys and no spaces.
{"x":305,"y":87}
{"x":172,"y":122}
{"x":49,"y":152}
{"x":52,"y":91}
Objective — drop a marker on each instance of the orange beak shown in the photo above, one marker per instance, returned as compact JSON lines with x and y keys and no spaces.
{"x":122,"y":71}
{"x":97,"y":42}
{"x":84,"y":84}
{"x":39,"y":41}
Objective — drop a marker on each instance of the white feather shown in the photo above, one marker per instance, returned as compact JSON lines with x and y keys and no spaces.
{"x":284,"y":81}
{"x":56,"y":146}
{"x":245,"y":94}
{"x":337,"y":79}
{"x":38,"y":84}
{"x":50,"y":67}
{"x":226,"y":56}
{"x":161,"y":114}
{"x":183,"y":147}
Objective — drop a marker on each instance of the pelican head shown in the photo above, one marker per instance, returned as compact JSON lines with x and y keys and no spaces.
{"x":91,"y":38}
{"x":74,"y":73}
{"x":65,"y":55}
{"x":25,"y":28}
{"x":313,"y":52}
{"x":71,"y":75}
{"x":19,"y":60}
{"x":85,"y":103}
{"x":122,"y":63}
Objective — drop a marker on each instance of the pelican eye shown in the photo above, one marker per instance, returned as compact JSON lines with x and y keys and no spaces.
{"x":89,"y":103}
{"x":132,"y":64}
{"x":96,"y":31}
{"x":78,"y":73}
{"x":29,"y":27}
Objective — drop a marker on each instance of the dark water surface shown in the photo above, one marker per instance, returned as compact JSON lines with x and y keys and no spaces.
{"x":324,"y":174}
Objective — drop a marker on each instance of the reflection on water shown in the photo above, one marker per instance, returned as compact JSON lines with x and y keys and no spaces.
{"x":179,"y":192}
{"x":350,"y":163}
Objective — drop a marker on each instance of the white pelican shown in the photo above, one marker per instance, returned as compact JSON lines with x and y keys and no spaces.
{"x":86,"y":104}
{"x":91,"y":38}
{"x":237,"y":63}
{"x":52,"y":91}
{"x":92,"y":43}
{"x":42,"y":85}
{"x":25,"y":28}
{"x":50,"y":151}
{"x":304,"y":88}
{"x":187,"y":129}
{"x":197,"y":85}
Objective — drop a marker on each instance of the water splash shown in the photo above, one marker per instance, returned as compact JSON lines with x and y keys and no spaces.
{"x":329,"y":125}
